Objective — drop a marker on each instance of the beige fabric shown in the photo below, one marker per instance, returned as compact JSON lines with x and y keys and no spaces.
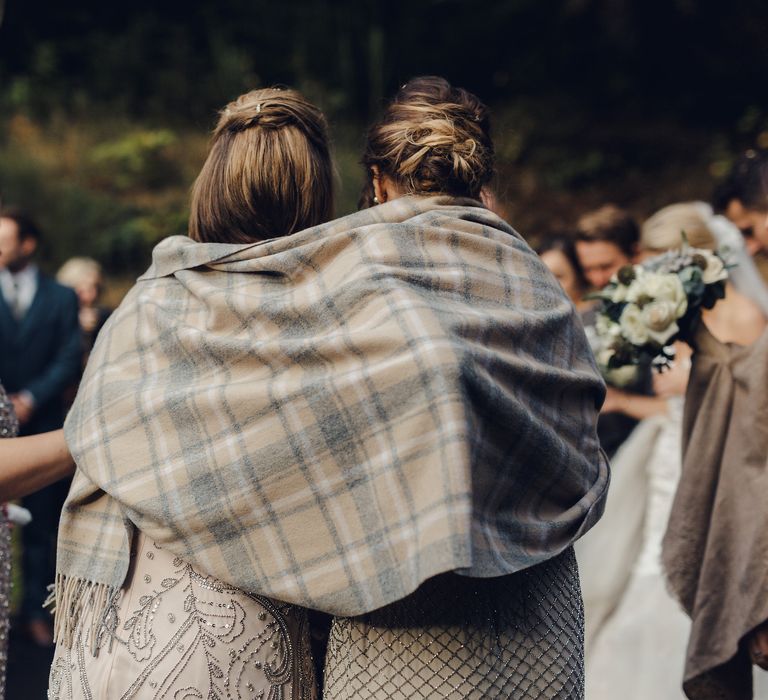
{"x":716,"y":545}
{"x":178,"y":634}
{"x":333,"y":417}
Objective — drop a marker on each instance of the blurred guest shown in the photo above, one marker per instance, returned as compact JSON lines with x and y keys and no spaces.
{"x":559,"y":255}
{"x":84,"y":275}
{"x":742,"y":198}
{"x":39,"y":357}
{"x":645,"y":637}
{"x":743,"y":272}
{"x":606,"y":240}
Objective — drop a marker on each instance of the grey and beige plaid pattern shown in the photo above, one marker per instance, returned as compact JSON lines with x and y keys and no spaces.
{"x":333,"y":417}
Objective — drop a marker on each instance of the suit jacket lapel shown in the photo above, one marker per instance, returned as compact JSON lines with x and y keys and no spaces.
{"x":9,"y":326}
{"x":37,"y":305}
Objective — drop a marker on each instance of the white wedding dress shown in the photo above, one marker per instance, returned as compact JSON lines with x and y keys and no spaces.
{"x":636,"y":633}
{"x":638,"y":652}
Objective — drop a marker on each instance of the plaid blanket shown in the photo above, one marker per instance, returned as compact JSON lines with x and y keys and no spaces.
{"x":333,"y":417}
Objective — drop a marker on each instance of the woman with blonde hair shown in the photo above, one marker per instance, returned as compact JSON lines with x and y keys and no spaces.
{"x":505,"y":619}
{"x":735,"y":319}
{"x":646,"y":635}
{"x":715,"y":543}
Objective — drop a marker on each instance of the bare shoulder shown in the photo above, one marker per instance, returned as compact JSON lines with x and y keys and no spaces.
{"x":736,"y":319}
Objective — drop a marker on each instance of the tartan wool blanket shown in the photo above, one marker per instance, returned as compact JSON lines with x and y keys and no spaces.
{"x":332,"y":417}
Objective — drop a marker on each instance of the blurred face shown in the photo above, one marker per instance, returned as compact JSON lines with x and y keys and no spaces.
{"x":88,"y":289}
{"x":564,"y":273}
{"x":751,"y":222}
{"x":600,"y":260}
{"x":14,"y":252}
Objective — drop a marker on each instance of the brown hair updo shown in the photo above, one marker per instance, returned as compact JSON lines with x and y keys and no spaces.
{"x":268,"y":172}
{"x":433,"y":138}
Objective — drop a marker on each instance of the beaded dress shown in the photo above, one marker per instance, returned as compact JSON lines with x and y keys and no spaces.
{"x":519,"y":636}
{"x":9,"y":427}
{"x":177,"y":634}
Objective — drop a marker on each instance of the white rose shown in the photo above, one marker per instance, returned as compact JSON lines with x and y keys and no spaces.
{"x":606,"y":328}
{"x":604,"y":356}
{"x":634,"y":291}
{"x":661,"y":287}
{"x":659,"y":318}
{"x":632,"y":325}
{"x":620,"y":291}
{"x":619,"y":294}
{"x":715,"y":269}
{"x":658,"y":315}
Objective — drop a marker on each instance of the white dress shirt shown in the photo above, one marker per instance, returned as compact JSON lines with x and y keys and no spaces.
{"x":19,"y":289}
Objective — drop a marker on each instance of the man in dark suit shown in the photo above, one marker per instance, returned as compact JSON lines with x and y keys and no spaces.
{"x":39,"y":357}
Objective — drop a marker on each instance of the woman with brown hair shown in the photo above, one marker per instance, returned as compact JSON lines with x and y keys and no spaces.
{"x":133,"y":619}
{"x":559,"y":254}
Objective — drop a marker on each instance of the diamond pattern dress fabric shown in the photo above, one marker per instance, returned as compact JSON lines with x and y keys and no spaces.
{"x":519,"y":636}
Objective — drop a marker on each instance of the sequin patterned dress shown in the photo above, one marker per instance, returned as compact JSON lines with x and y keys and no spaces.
{"x":519,"y":636}
{"x":9,"y":427}
{"x":176,"y":634}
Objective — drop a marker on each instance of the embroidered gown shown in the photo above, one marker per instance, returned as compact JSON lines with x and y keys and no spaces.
{"x":177,"y":634}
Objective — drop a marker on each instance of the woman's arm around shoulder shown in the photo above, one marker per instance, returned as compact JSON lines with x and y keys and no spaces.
{"x":30,"y":463}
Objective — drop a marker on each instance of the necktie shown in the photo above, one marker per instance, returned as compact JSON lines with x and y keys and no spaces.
{"x":16,"y":305}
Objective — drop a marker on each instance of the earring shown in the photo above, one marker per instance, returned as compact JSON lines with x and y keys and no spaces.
{"x":375,"y":199}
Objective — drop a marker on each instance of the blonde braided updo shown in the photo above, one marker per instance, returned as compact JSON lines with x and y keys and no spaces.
{"x":433,"y":138}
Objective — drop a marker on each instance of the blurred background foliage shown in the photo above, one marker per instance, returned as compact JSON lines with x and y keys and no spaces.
{"x":105,"y":108}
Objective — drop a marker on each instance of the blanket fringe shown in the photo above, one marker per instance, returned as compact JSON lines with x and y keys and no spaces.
{"x":75,"y":599}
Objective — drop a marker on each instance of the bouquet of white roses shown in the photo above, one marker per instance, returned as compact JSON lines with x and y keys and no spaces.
{"x":646,"y":308}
